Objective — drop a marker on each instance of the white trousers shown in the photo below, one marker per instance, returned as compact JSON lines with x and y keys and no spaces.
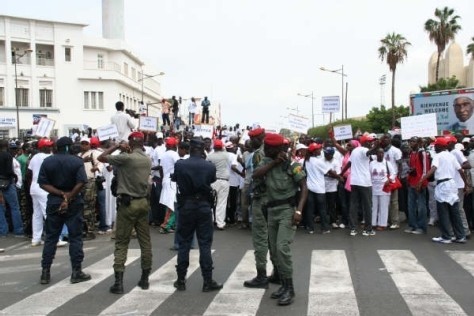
{"x":39,"y":215}
{"x":380,"y":204}
{"x":222,"y":188}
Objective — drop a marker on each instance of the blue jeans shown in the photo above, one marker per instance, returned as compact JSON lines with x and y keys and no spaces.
{"x":449,"y":214}
{"x":191,"y":119}
{"x":417,"y":212}
{"x":316,"y":201}
{"x":11,"y":198}
{"x":195,"y":216}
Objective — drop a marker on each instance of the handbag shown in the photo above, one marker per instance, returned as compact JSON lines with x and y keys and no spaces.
{"x":392,"y":186}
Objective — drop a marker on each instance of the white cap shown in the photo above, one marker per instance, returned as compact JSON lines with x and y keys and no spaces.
{"x":373,"y":135}
{"x":229,"y":145}
{"x":466,"y":140}
{"x":85,"y":139}
{"x":301,"y":146}
{"x":159,"y":135}
{"x":459,"y":146}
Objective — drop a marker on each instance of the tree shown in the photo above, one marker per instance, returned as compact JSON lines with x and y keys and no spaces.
{"x":442,"y":84}
{"x":442,"y":31}
{"x":381,"y":119}
{"x":470,"y":48}
{"x":394,"y":49}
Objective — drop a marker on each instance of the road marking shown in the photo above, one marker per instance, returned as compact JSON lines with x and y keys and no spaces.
{"x":56,"y":295}
{"x":421,"y":292}
{"x":144,"y":302}
{"x":234,"y":298}
{"x":331,"y":291}
{"x":38,"y":254}
{"x":464,"y":258}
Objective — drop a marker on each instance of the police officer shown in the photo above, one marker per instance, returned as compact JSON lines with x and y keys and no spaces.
{"x":193,"y":177}
{"x":133,"y":171}
{"x":282,"y":180}
{"x":63,"y":176}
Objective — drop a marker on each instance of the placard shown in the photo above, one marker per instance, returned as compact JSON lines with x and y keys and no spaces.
{"x":45,"y":126}
{"x":330,"y":104}
{"x":7,"y":122}
{"x":203,"y":130}
{"x":299,"y":124}
{"x":419,"y":125}
{"x":148,"y":123}
{"x":107,"y":132}
{"x":343,"y":132}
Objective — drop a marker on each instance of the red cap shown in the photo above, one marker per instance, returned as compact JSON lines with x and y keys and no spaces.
{"x":136,"y":135}
{"x":451,"y":139}
{"x":95,"y":141}
{"x":441,"y":141}
{"x":256,"y":132}
{"x":171,"y":141}
{"x":218,"y":144}
{"x":365,"y":138}
{"x":272,"y":139}
{"x":44,"y":142}
{"x":313,"y":146}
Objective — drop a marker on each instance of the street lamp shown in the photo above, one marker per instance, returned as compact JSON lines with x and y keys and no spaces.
{"x":16,"y":58}
{"x":294,"y":109}
{"x":145,"y":76}
{"x":339,"y":72}
{"x":312,"y":104}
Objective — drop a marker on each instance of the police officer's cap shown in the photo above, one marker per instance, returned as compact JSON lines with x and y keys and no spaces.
{"x":196,"y":143}
{"x":64,"y":141}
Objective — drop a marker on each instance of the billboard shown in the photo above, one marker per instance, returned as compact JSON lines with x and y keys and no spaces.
{"x":449,"y":116}
{"x":330,"y":104}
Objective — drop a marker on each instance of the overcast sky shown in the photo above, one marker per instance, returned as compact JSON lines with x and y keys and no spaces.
{"x":255,"y":56}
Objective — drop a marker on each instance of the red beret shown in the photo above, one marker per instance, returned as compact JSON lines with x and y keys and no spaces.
{"x":95,"y":141}
{"x":218,"y":144}
{"x":44,"y":142}
{"x":272,"y":139}
{"x":256,"y":132}
{"x":171,"y":141}
{"x":365,"y":138}
{"x":313,"y":146}
{"x":136,"y":135}
{"x":441,"y":141}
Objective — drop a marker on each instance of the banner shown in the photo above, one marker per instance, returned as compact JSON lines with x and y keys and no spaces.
{"x":203,"y":130}
{"x":7,"y":122}
{"x":343,"y":132}
{"x":419,"y":125}
{"x":148,"y":123}
{"x":45,"y":126}
{"x":330,"y":104}
{"x":299,"y":124}
{"x":107,"y":132}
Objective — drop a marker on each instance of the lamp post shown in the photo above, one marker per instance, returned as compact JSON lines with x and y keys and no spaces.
{"x":312,"y":105}
{"x":16,"y":58}
{"x":339,"y":72}
{"x":145,"y":76}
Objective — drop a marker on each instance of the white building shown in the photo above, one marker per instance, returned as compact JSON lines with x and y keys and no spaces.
{"x":67,"y":77}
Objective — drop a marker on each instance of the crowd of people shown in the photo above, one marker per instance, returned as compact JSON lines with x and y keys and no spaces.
{"x":74,"y":188}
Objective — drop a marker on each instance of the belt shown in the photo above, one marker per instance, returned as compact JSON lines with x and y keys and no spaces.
{"x":223,"y":179}
{"x":276,"y":203}
{"x":134,"y":197}
{"x":442,"y":180}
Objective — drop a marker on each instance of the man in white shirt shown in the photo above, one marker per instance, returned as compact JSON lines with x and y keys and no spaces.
{"x":168,"y":192}
{"x":192,"y":109}
{"x":235,"y":175}
{"x":123,"y":121}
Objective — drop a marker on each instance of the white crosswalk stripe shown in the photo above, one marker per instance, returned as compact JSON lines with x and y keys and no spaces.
{"x":331,"y":289}
{"x":60,"y":293}
{"x":421,"y":292}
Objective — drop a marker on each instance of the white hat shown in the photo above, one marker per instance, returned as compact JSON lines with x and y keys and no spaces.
{"x":466,"y":140}
{"x":373,"y":135}
{"x":229,"y":145}
{"x":159,"y":135}
{"x":85,"y":139}
{"x":301,"y":146}
{"x":459,"y":146}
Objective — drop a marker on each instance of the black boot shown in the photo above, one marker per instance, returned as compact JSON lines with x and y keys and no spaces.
{"x":117,"y":288}
{"x":275,"y":276}
{"x":288,"y":295}
{"x":280,"y":291}
{"x":144,"y":283}
{"x":211,"y":285}
{"x":79,"y":276}
{"x":180,"y":284}
{"x":260,"y":281}
{"x":45,"y":276}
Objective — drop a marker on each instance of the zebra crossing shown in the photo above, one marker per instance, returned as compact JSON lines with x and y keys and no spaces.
{"x":331,"y":289}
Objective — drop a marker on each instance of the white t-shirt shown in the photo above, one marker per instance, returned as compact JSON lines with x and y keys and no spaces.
{"x":360,"y":172}
{"x":124,"y":123}
{"x":330,"y":182}
{"x":167,"y":161}
{"x":378,"y":174}
{"x":446,"y":165}
{"x":460,"y":158}
{"x":234,"y":178}
{"x":35,"y":166}
{"x":192,"y":107}
{"x":315,"y":170}
{"x":392,"y":155}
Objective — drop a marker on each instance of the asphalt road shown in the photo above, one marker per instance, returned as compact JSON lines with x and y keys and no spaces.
{"x":392,"y":273}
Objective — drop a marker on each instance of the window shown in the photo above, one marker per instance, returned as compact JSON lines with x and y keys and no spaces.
{"x":22,"y":95}
{"x":100,"y":61}
{"x":67,"y":54}
{"x":93,"y":100}
{"x":125,"y":69}
{"x":134,"y":74}
{"x":2,"y":98}
{"x":46,"y":98}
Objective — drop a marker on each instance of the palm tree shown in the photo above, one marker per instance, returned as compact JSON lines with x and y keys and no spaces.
{"x":470,"y":49}
{"x":394,"y":49}
{"x":442,"y":31}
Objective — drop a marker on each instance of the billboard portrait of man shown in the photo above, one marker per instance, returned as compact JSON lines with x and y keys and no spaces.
{"x":463,"y":108}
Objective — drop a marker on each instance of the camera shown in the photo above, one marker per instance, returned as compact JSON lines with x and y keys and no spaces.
{"x":132,"y":113}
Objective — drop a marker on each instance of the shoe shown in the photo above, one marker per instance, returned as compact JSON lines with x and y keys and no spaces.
{"x":37,"y":243}
{"x":79,"y":276}
{"x":163,"y":230}
{"x":431,"y":222}
{"x":180,"y":285}
{"x":441,"y":240}
{"x":409,"y":230}
{"x":381,"y":228}
{"x":211,"y":285}
{"x":45,"y":276}
{"x":117,"y":287}
{"x":326,"y":232}
{"x":220,"y":228}
{"x":274,"y":277}
{"x":342,"y":226}
{"x":310,"y":232}
{"x":171,"y":230}
{"x":334,"y":225}
{"x":418,"y":231}
{"x":368,"y":233}
{"x":288,"y":294}
{"x":460,"y":240}
{"x":105,"y":232}
{"x":353,"y":232}
{"x":394,"y":226}
{"x":61,"y":243}
{"x":259,"y":282}
{"x":144,"y":282}
{"x":88,"y":236}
